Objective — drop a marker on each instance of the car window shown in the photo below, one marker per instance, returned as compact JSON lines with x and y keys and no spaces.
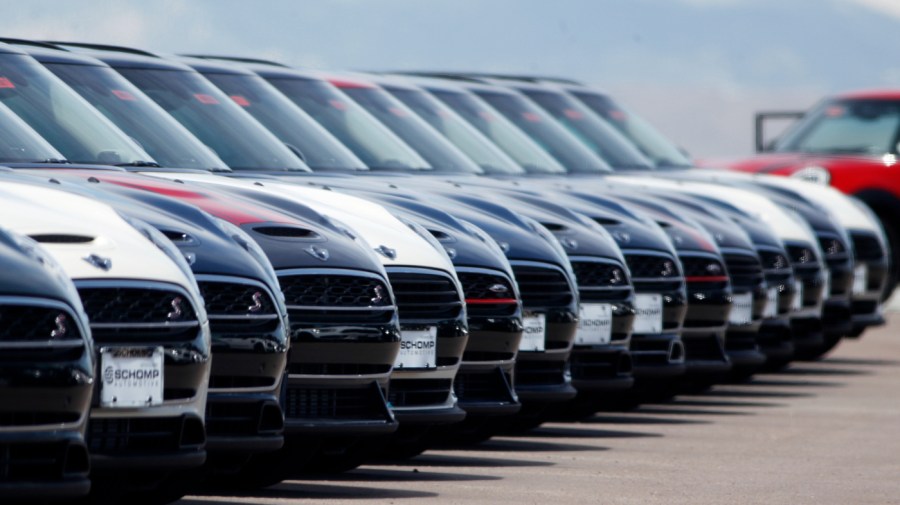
{"x":846,"y":127}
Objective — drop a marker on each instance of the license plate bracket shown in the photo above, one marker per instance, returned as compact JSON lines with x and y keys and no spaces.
{"x":132,"y":377}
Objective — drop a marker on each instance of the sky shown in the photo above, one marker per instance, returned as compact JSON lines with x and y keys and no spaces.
{"x":697,"y":69}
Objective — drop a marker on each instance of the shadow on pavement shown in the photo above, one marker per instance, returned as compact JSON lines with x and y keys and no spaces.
{"x":754,"y":393}
{"x":673,"y":410}
{"x":698,"y":401}
{"x":293,"y":490}
{"x":861,"y":361}
{"x":576,"y":431}
{"x":637,"y":418}
{"x":430,"y":459}
{"x":380,"y":474}
{"x":821,"y":370}
{"x":504,"y":444}
{"x":770,"y":380}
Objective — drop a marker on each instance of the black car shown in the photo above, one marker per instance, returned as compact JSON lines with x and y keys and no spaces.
{"x":47,"y":375}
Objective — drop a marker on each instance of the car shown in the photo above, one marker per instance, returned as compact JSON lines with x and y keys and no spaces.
{"x":150,"y":329}
{"x":47,"y":372}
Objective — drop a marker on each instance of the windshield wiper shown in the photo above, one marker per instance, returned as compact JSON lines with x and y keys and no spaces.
{"x":140,"y":163}
{"x":60,"y":161}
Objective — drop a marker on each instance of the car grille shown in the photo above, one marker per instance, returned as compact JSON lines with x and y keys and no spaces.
{"x":488,"y":295}
{"x":493,"y":386}
{"x":352,"y":404}
{"x":29,"y":323}
{"x":425,"y":296}
{"x":336,"y":298}
{"x":599,"y":282}
{"x":540,"y":373}
{"x":145,"y":435}
{"x":138,"y":313}
{"x":866,"y":247}
{"x":744,"y":270}
{"x":419,"y":392}
{"x":542,"y":286}
{"x":651,"y":273}
{"x":47,"y":461}
{"x":803,"y":258}
{"x":237,"y":307}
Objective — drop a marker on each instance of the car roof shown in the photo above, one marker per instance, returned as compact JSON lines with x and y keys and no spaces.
{"x":124,"y":57}
{"x":209,"y":66}
{"x":871,"y":94}
{"x":50,"y":53}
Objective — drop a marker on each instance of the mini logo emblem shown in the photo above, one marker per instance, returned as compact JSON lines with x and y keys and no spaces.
{"x":451,"y":252}
{"x":499,"y":289}
{"x":99,"y":261}
{"x":569,"y":243}
{"x":720,"y":237}
{"x":617,"y":277}
{"x":805,"y":256}
{"x":386,"y":251}
{"x":379,"y":295}
{"x":668,"y":269}
{"x":320,"y":253}
{"x":177,"y":312}
{"x":61,"y":326}
{"x":622,"y":237}
{"x":257,"y":302}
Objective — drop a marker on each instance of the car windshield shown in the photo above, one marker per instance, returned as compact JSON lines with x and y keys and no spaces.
{"x":500,"y":131}
{"x":544,"y":130}
{"x":19,"y":143}
{"x":290,"y":123}
{"x":846,"y":127}
{"x":455,"y":129}
{"x":170,"y":144}
{"x":593,"y":131}
{"x":370,"y":140}
{"x":215,"y":119}
{"x":63,"y":118}
{"x":642,"y":134}
{"x":437,"y":151}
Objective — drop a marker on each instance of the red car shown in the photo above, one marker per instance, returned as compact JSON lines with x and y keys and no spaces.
{"x":849,"y":141}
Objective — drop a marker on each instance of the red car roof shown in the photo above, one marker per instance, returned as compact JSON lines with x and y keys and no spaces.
{"x":871,"y":94}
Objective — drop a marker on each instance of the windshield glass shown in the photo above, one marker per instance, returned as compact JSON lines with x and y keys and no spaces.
{"x":544,"y":130}
{"x":846,"y":127}
{"x":170,"y":144}
{"x":21,"y":144}
{"x":359,"y":131}
{"x":62,"y":117}
{"x":455,"y":129}
{"x":645,"y":137}
{"x":500,"y":131}
{"x":596,"y":133}
{"x":213,"y":118}
{"x":437,"y":151}
{"x":290,"y":123}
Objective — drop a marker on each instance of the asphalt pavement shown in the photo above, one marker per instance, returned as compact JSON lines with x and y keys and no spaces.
{"x":820,"y":433}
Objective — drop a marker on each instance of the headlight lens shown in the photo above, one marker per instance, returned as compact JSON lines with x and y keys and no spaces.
{"x":815,"y":174}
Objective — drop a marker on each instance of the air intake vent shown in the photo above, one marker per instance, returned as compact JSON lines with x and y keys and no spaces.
{"x":425,"y":296}
{"x":178,"y":237}
{"x":286,"y":232}
{"x":605,"y":221}
{"x":60,"y":238}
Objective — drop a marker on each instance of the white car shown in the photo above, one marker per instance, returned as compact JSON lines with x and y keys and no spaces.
{"x":150,"y":330}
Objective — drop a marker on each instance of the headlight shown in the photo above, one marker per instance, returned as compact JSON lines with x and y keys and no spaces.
{"x":243,"y":239}
{"x":815,"y":174}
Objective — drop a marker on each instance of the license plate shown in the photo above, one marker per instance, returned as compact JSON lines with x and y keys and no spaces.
{"x":826,"y":283}
{"x":860,"y":279}
{"x":771,"y":308}
{"x":534,"y":336}
{"x":132,"y":377}
{"x":797,"y":304}
{"x":648,"y":317}
{"x":594,"y":324}
{"x":741,"y":309}
{"x":418,"y":348}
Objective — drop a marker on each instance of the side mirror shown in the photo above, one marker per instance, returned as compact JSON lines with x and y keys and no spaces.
{"x":759,"y":127}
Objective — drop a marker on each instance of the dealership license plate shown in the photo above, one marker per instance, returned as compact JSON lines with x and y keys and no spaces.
{"x":860,"y":279}
{"x":741,"y":309}
{"x":648,"y":313}
{"x":797,"y":303}
{"x":594,"y":324}
{"x":131,"y":377}
{"x":771,"y":308}
{"x":535,"y":334}
{"x":418,"y":348}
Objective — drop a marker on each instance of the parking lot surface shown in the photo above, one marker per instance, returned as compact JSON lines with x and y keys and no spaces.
{"x":824,"y":432}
